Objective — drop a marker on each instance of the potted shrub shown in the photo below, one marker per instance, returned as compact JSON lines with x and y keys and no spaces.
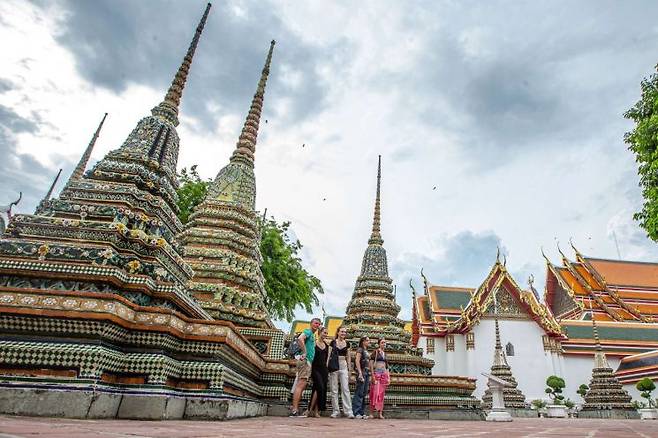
{"x":540,"y":406}
{"x":570,"y":405}
{"x":582,"y":392}
{"x":555,"y":386}
{"x":646,"y":386}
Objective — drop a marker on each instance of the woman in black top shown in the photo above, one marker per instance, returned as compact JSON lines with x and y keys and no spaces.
{"x":319,"y":375}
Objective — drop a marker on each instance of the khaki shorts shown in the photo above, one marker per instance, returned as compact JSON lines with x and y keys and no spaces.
{"x":303,"y":369}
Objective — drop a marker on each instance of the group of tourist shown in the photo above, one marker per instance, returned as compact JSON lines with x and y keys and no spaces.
{"x":329,"y":364}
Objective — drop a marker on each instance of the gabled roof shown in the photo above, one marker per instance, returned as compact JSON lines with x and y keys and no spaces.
{"x":615,"y":290}
{"x":457,"y":310}
{"x":626,"y":273}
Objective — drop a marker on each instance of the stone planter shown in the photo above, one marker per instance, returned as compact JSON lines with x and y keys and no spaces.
{"x":648,"y":414}
{"x":556,"y":411}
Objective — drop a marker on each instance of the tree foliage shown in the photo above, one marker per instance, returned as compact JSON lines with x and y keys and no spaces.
{"x":287,"y":283}
{"x":643,"y":141}
{"x":582,"y":390}
{"x":555,"y":386}
{"x":646,"y":387}
{"x":191,"y":191}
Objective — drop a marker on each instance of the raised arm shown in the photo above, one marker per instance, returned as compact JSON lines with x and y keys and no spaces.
{"x":301,"y":340}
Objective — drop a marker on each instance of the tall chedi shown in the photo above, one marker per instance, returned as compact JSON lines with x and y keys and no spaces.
{"x":606,"y":397}
{"x":95,"y":316}
{"x":512,"y":395}
{"x":119,"y":219}
{"x":372,"y":311}
{"x":222,"y":238}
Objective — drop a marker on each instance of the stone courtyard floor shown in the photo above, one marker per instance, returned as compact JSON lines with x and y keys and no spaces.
{"x":324,"y":427}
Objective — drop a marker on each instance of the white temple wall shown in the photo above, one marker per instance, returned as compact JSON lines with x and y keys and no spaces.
{"x":632,"y":390}
{"x":530,"y":363}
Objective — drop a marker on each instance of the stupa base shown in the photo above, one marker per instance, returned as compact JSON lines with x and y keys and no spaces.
{"x":98,"y":402}
{"x":499,"y":416}
{"x":610,"y":414}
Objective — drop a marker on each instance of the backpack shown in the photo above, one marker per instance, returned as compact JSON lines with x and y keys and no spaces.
{"x":333,"y":364}
{"x":294,"y":349}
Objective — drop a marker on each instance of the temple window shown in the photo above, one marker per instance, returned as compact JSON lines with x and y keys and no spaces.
{"x":509,"y":349}
{"x":470,"y":341}
{"x":450,"y":343}
{"x":430,"y":345}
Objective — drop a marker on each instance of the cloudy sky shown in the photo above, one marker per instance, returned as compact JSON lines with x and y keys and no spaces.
{"x":512,"y":110}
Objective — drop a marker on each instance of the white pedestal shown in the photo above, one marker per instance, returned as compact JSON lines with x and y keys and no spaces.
{"x":556,"y":411}
{"x":648,"y":414}
{"x":499,"y":416}
{"x":497,"y":386}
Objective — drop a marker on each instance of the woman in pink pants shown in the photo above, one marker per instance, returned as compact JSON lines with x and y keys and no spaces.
{"x":380,"y":378}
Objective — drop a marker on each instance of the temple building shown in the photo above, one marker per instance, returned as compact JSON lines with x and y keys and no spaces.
{"x":553,"y":336}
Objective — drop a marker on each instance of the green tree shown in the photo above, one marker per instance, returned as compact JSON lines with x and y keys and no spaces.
{"x":191,"y":191}
{"x":643,"y":141}
{"x":582,"y":390}
{"x":287,"y":283}
{"x":555,"y":386}
{"x":646,"y":387}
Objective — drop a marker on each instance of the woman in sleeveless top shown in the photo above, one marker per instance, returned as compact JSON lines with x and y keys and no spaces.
{"x":319,"y":375}
{"x":380,"y":378}
{"x":341,"y":376}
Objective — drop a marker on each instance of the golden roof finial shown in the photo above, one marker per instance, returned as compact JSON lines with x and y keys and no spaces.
{"x":426,"y":286}
{"x":169,"y":106}
{"x":564,"y":257}
{"x":246,"y":145}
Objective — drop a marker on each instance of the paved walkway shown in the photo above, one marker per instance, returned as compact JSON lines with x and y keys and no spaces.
{"x":324,"y":427}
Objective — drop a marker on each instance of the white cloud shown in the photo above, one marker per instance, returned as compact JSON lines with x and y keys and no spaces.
{"x":519,"y":130}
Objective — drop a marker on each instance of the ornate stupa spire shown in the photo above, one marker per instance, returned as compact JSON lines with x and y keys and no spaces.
{"x":79,"y":170}
{"x":46,"y":199}
{"x":376,"y":236}
{"x":222,"y":239}
{"x":606,"y":397}
{"x":499,"y":354}
{"x":513,"y":396}
{"x":169,"y":106}
{"x":372,"y":311}
{"x":129,"y":194}
{"x":246,"y":145}
{"x":49,"y":194}
{"x":147,"y":159}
